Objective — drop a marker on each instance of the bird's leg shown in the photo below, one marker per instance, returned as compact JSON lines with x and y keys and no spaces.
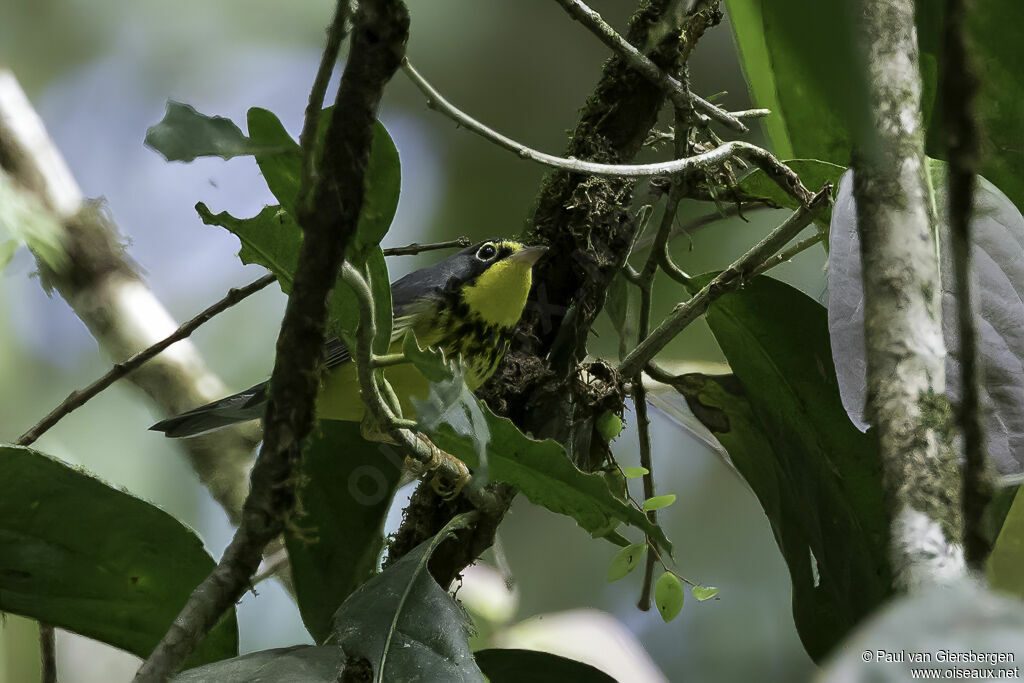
{"x":437,"y":459}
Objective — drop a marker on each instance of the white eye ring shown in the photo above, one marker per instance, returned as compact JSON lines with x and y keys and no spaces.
{"x":486,"y":252}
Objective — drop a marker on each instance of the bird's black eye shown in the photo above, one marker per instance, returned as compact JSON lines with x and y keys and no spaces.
{"x":486,"y":252}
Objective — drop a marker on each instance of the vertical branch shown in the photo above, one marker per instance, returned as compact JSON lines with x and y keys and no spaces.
{"x":902,"y":290}
{"x":959,"y":92}
{"x":47,"y":654}
{"x":328,"y":222}
{"x":657,"y":256}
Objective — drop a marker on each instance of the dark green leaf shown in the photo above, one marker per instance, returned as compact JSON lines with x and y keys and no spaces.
{"x":185,"y":134}
{"x":801,"y":62}
{"x":297,"y":664}
{"x":626,"y":560}
{"x":429,"y":361}
{"x":346,"y":488}
{"x":518,"y":666}
{"x":668,"y":596}
{"x":406,"y":625}
{"x":88,"y":558}
{"x":541,"y":470}
{"x":817,"y":477}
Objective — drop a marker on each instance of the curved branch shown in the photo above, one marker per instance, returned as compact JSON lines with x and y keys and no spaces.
{"x":734,"y":149}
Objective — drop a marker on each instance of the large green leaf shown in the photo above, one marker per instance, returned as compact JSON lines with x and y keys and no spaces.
{"x":184,"y":134}
{"x":817,"y":477}
{"x":408,"y":627}
{"x":545,"y":475}
{"x":800,"y":62}
{"x":516,"y":666}
{"x":88,"y":558}
{"x":346,"y":487}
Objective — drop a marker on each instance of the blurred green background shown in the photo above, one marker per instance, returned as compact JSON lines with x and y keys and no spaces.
{"x":100,"y":72}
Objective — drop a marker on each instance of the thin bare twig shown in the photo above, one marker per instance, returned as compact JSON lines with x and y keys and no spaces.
{"x":678,"y":93}
{"x":729,"y":279}
{"x":76,"y":399}
{"x":762,"y":158}
{"x":645,"y":281}
{"x":329,"y":220}
{"x":416,"y":248}
{"x":959,"y":96}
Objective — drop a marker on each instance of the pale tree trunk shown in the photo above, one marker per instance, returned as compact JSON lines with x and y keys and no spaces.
{"x":902,"y":294}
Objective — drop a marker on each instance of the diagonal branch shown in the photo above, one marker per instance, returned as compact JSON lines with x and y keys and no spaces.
{"x":677,"y":92}
{"x":378,"y":42}
{"x":100,"y":284}
{"x":729,"y":279}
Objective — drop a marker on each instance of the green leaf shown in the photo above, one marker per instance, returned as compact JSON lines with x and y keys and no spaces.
{"x":334,"y":542}
{"x":801,"y":62}
{"x":280,"y":162}
{"x":296,"y":664}
{"x":406,"y":625}
{"x":270,"y":239}
{"x":88,"y":558}
{"x":658,"y":502}
{"x":184,"y":134}
{"x":7,"y":249}
{"x":626,"y":561}
{"x":429,"y":361}
{"x":635,"y":472}
{"x":517,"y":666}
{"x":1007,"y":558}
{"x":545,"y":475}
{"x":816,"y":476}
{"x":609,"y":425}
{"x":813,"y":173}
{"x":668,"y":596}
{"x":703,"y":593}
{"x":452,"y":404}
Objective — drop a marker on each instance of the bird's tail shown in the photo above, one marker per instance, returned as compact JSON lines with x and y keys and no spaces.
{"x":240,"y":407}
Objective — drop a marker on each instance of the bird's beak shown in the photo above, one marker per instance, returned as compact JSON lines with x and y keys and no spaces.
{"x":528,"y":256}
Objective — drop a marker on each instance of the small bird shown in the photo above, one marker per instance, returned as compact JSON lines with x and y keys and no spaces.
{"x":468,"y":305}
